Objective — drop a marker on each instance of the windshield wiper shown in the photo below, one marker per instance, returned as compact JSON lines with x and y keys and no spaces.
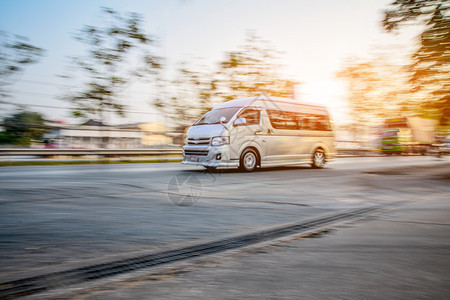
{"x":206,"y":123}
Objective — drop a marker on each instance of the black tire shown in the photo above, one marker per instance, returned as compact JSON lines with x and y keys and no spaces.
{"x":210,"y":169}
{"x":248,"y":160}
{"x":318,"y":159}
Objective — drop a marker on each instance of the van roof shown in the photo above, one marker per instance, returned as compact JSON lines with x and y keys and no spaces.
{"x":236,"y":102}
{"x":246,"y":101}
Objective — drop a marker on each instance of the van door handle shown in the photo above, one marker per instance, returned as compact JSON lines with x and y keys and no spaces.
{"x":258,"y":131}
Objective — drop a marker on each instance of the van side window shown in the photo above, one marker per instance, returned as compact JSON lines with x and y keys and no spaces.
{"x":323,"y":123}
{"x":251,"y":116}
{"x":298,"y":121}
{"x":315,"y":122}
{"x":283,"y":119}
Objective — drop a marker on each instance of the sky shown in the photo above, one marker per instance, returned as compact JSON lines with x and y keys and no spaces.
{"x":315,"y":37}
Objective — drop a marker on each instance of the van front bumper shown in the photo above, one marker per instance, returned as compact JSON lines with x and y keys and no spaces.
{"x":208,"y":156}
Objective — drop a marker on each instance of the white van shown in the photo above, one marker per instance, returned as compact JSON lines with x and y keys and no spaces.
{"x":260,"y":132}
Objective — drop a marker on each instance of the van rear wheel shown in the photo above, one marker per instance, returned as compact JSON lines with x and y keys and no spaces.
{"x":248,"y":160}
{"x":318,"y":159}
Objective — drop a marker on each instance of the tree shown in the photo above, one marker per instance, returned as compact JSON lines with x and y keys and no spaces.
{"x":430,"y":70}
{"x":15,"y":55}
{"x":118,"y":53}
{"x":250,"y":71}
{"x":377,"y":89}
{"x":22,"y":128}
{"x":190,"y":94}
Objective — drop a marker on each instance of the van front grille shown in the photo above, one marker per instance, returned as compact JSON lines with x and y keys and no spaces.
{"x":199,"y":141}
{"x":196,"y":152}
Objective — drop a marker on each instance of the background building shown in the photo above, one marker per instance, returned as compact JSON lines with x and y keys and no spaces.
{"x":94,"y":134}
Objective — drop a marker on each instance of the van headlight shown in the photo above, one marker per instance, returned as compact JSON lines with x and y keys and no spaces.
{"x":220,"y":140}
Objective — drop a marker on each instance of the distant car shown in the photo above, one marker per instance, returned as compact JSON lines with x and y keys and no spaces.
{"x":445,"y":146}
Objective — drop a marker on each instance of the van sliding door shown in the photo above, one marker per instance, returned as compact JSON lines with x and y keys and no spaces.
{"x":285,"y":143}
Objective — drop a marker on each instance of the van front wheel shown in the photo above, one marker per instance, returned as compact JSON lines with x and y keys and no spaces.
{"x":318,"y":160}
{"x":248,"y":160}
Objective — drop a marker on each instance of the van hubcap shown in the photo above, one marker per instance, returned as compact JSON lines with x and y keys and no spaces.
{"x":319,"y":159}
{"x":249,"y":160}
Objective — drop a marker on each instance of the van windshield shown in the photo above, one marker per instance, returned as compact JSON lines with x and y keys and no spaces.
{"x":213,"y":116}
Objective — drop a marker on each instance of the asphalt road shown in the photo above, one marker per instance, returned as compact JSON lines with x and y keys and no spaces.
{"x":61,"y":215}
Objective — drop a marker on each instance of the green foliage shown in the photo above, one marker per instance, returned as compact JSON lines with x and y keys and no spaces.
{"x":22,"y":128}
{"x":118,"y":53}
{"x":250,"y":71}
{"x":401,"y":12}
{"x":15,"y":55}
{"x":377,"y":89}
{"x":253,"y":70}
{"x":431,"y":63}
{"x":190,"y":94}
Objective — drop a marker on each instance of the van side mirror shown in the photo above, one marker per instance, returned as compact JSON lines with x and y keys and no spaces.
{"x":221,"y":120}
{"x":240,"y":122}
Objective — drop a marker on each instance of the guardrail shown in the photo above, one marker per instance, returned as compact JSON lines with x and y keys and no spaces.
{"x":84,"y":152}
{"x":47,"y":153}
{"x":111,"y":153}
{"x":55,"y":153}
{"x":114,"y":152}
